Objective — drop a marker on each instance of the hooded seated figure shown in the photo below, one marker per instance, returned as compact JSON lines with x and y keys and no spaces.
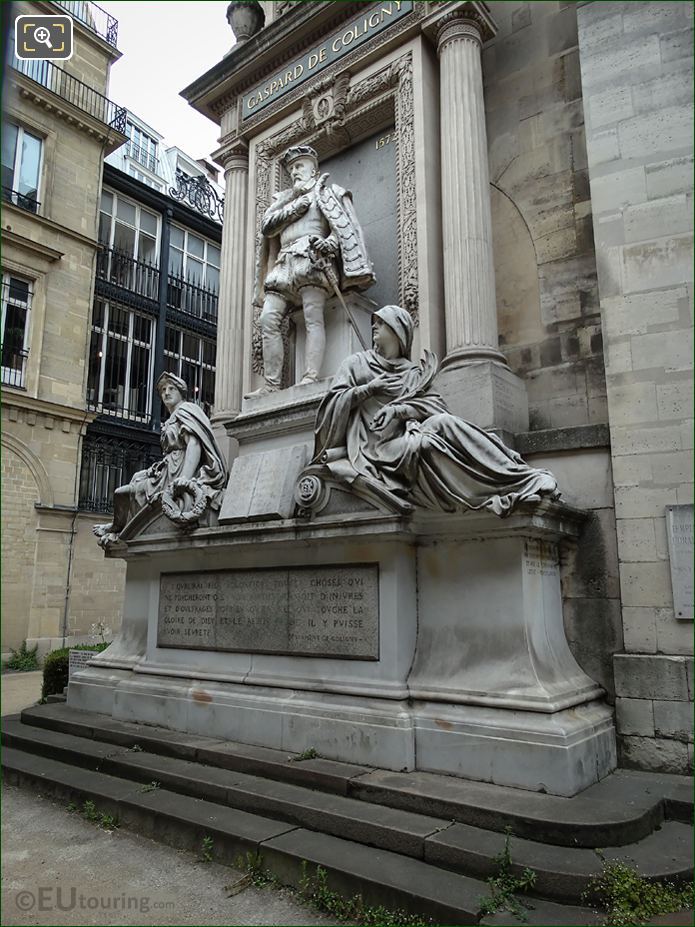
{"x":190,"y":453}
{"x":381,"y":420}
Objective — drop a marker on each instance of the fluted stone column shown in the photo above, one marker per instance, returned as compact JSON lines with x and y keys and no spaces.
{"x":230,"y":319}
{"x":475,"y":378}
{"x":469,"y":276}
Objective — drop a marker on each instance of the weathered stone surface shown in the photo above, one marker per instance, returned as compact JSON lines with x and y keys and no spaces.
{"x":654,"y":677}
{"x":673,"y":719}
{"x":635,"y":716}
{"x":313,"y":611}
{"x":654,"y":753}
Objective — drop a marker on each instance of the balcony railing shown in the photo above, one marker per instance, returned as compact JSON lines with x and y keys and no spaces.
{"x":125,"y":271}
{"x":14,"y":366}
{"x":74,"y":91}
{"x":146,"y":158}
{"x":30,"y":203}
{"x":93,"y":17}
{"x":197,"y":301}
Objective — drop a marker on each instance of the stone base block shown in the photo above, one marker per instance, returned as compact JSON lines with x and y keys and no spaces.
{"x":560,"y":754}
{"x":487,"y":394}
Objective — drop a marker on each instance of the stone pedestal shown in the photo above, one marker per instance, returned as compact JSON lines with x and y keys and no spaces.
{"x":487,"y":394}
{"x":443,"y":645}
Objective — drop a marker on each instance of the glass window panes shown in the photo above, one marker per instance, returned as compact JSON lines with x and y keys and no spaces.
{"x":29,"y":168}
{"x":148,"y":222}
{"x":196,"y":246}
{"x":121,"y":355}
{"x":21,"y":161}
{"x":126,"y":211}
{"x":197,"y":261}
{"x":128,"y":228}
{"x":193,"y":359}
{"x":107,"y":202}
{"x":16,"y":300}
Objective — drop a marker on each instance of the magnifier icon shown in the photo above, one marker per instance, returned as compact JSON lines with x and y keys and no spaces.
{"x":43,"y":36}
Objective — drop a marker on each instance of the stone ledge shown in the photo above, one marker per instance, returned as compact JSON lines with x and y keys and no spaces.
{"x":563,"y":439}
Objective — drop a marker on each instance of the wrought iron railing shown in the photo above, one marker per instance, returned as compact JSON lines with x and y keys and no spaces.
{"x":107,"y":463}
{"x":93,"y":17}
{"x":14,"y":367}
{"x":125,"y":271}
{"x":146,"y":158}
{"x":200,"y":302}
{"x":199,"y":193}
{"x":30,"y":203}
{"x":74,"y":91}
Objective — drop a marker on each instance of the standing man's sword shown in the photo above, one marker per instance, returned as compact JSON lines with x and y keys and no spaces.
{"x":324,"y":265}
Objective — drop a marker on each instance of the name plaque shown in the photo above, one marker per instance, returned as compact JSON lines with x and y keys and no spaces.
{"x":679,"y":531}
{"x":322,"y":611}
{"x":374,"y":20}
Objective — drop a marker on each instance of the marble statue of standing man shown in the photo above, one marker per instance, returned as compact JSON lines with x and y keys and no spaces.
{"x":311,"y":244}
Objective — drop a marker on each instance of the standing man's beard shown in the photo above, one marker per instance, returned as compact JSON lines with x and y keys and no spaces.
{"x":301,"y":187}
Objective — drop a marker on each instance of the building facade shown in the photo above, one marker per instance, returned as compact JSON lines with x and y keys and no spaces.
{"x":110,"y":275}
{"x":58,"y":125}
{"x":155,"y":304}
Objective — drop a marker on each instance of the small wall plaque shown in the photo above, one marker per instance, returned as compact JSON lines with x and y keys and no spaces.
{"x":679,"y":530}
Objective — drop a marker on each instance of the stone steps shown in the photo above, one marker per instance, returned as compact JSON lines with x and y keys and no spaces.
{"x":396,"y":814}
{"x":619,"y":811}
{"x":381,"y":877}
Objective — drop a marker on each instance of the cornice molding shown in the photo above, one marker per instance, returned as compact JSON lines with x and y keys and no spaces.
{"x":33,"y":247}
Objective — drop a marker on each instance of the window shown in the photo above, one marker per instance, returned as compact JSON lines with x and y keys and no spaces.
{"x":193,"y":359}
{"x":129,"y":228}
{"x":107,"y":463}
{"x":195,"y":259}
{"x":16,"y":302}
{"x":143,"y":178}
{"x":21,"y":166}
{"x":142,"y":147}
{"x":119,"y":379}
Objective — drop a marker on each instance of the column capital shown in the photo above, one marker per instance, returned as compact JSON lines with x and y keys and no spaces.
{"x":470,"y":20}
{"x":233,"y":156}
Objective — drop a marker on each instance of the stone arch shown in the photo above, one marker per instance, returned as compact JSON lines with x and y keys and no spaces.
{"x":516,"y":274}
{"x":33,"y":464}
{"x":23,"y":480}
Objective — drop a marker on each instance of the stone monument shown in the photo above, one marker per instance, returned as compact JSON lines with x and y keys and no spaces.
{"x":382,"y":582}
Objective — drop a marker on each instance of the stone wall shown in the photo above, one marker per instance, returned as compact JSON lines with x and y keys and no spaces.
{"x":547,"y":296}
{"x":98,"y":583}
{"x":636,"y":69}
{"x":43,"y":418}
{"x":545,"y":265}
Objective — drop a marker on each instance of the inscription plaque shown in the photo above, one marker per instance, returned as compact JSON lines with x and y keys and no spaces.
{"x":679,"y":530}
{"x":323,"y":611}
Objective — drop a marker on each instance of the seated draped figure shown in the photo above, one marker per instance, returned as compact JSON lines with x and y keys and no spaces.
{"x":382,"y":420}
{"x":192,"y":466}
